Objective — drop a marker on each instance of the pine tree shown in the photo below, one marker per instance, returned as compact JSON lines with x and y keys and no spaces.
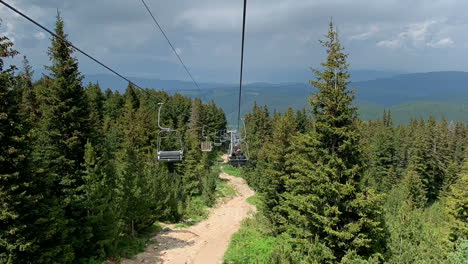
{"x":415,"y":190}
{"x":457,"y":204}
{"x":101,"y":227}
{"x":384,"y":156}
{"x":303,"y":121}
{"x":324,"y":202}
{"x":273,"y":165}
{"x":134,"y":184}
{"x":193,"y":169}
{"x":29,"y":104}
{"x":95,"y":102}
{"x":60,"y":138}
{"x":17,"y":193}
{"x":258,"y":127}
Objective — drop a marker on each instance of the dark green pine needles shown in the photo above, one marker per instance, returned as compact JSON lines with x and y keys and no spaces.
{"x":324,"y":205}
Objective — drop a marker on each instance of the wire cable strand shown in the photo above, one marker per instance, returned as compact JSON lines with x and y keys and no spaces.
{"x":71,"y":45}
{"x":170,"y":44}
{"x":241,"y":66}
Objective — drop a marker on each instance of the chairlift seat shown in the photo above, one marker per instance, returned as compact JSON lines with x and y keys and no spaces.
{"x":206,"y":146}
{"x":237,"y":161}
{"x":170,"y":156}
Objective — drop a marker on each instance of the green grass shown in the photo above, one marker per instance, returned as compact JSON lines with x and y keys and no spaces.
{"x":129,"y":246}
{"x":224,"y":189}
{"x":233,"y":171}
{"x":197,"y":209}
{"x":254,"y":200}
{"x":253,"y":244}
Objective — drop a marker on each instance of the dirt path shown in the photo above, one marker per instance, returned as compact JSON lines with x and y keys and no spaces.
{"x":206,"y":242}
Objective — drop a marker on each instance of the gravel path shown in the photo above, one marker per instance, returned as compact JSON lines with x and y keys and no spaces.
{"x":206,"y":242}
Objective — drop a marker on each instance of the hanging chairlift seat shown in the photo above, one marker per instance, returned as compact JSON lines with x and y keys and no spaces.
{"x":237,"y":159}
{"x":170,"y":155}
{"x":173,"y":155}
{"x":206,"y":146}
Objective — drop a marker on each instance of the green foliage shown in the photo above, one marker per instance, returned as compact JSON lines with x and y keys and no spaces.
{"x":233,"y":171}
{"x":457,"y":205}
{"x":416,"y":235}
{"x":196,"y":209}
{"x":255,"y":200}
{"x":323,"y":201}
{"x":17,"y":193}
{"x":129,"y":246}
{"x":415,"y":192}
{"x":460,"y":255}
{"x":80,"y":181}
{"x":224,"y":189}
{"x":335,"y":189}
{"x":252,"y":244}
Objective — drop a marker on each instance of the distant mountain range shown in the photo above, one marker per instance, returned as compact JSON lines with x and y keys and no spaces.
{"x":415,"y":95}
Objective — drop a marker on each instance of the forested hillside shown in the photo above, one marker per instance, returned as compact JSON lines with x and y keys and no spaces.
{"x":335,"y":189}
{"x":408,"y":96}
{"x":79,"y":177}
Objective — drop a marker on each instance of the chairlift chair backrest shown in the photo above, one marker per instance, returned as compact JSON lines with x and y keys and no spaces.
{"x":172,"y":155}
{"x":206,"y":146}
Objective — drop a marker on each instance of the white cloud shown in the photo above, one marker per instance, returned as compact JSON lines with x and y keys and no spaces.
{"x":40,"y":35}
{"x":366,"y":35}
{"x":443,"y":43}
{"x":395,"y":43}
{"x":415,"y":35}
{"x":419,"y":31}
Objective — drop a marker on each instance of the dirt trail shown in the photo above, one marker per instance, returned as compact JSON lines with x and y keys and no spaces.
{"x":206,"y":242}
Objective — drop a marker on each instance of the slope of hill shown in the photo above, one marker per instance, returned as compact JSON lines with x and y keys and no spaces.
{"x":417,"y":95}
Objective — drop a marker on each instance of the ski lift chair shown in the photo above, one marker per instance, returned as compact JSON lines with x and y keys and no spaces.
{"x":173,"y":155}
{"x":206,"y":146}
{"x":237,"y":160}
{"x":218,"y":140}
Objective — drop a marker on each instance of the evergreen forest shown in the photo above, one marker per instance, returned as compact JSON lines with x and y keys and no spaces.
{"x":334,"y":189}
{"x":79,"y":177}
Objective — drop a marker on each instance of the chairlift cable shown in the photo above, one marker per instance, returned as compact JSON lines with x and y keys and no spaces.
{"x":170,"y":44}
{"x":73,"y":46}
{"x":241,"y":66}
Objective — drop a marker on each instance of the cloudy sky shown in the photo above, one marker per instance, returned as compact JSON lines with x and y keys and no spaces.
{"x":281,"y":41}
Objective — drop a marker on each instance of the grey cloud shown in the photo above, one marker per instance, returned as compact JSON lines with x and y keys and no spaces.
{"x":281,"y":34}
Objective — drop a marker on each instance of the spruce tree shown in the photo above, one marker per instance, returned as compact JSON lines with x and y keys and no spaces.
{"x":415,"y":190}
{"x":457,"y":204}
{"x":95,"y":102}
{"x":101,"y":227}
{"x":384,"y":156}
{"x":193,"y":169}
{"x":59,"y":141}
{"x":259,"y":128}
{"x":325,"y":205}
{"x":29,"y":105}
{"x":272,"y":166}
{"x":133,"y":184}
{"x":17,"y":192}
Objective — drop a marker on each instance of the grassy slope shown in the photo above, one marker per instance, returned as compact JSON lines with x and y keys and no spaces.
{"x":236,"y":172}
{"x":253,"y":243}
